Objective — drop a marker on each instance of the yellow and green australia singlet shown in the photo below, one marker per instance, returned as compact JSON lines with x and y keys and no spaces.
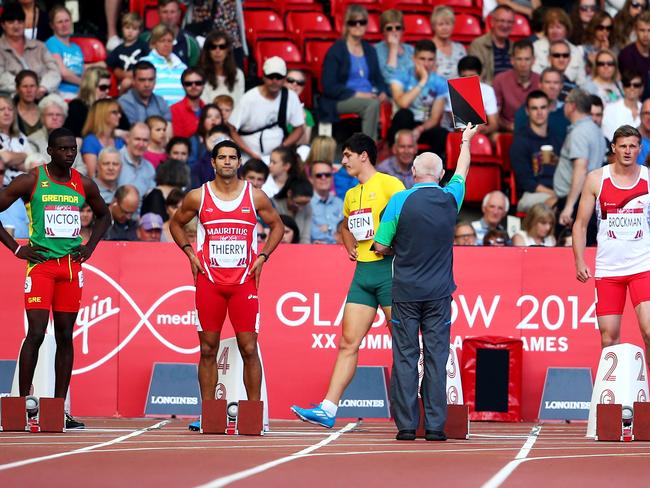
{"x":54,"y":213}
{"x":363,"y":206}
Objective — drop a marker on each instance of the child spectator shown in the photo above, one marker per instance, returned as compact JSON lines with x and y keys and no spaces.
{"x":284,"y":165}
{"x":123,"y":57}
{"x":225,"y":104}
{"x":67,"y":54}
{"x":291,"y":231}
{"x":155,"y":152}
{"x":256,"y":172}
{"x":178,"y":148}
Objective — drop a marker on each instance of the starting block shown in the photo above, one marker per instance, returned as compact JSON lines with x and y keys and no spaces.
{"x":51,"y":415}
{"x":621,"y":379}
{"x":456,"y":426}
{"x":13,"y":415}
{"x":609,"y":423}
{"x":641,"y":421}
{"x":214,"y":419}
{"x":250,"y":417}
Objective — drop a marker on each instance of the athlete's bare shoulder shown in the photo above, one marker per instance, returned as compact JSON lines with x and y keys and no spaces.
{"x":23,"y":185}
{"x":260,"y":199}
{"x":192,"y":200}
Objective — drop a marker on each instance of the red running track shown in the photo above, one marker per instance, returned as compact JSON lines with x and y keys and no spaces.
{"x":149,"y":452}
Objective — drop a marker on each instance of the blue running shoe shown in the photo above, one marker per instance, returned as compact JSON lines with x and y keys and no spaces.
{"x":314,"y":415}
{"x":195,"y":426}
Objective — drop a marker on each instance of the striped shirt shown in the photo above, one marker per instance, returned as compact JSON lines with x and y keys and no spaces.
{"x":168,"y":76}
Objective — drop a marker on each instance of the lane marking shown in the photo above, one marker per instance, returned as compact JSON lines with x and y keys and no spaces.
{"x":25,"y":462}
{"x":507,"y":470}
{"x":225,"y":480}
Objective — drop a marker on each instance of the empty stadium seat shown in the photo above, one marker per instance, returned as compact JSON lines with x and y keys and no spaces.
{"x":502,"y":143}
{"x":520,"y":29}
{"x":338,"y":7}
{"x":264,"y":24}
{"x":94,"y":50}
{"x":287,"y":50}
{"x":480,"y":149}
{"x":310,"y":25}
{"x":315,"y":52}
{"x":410,"y":6}
{"x":472,"y":7}
{"x":299,"y":6}
{"x":482,"y":179}
{"x":416,"y":27}
{"x":466,"y":29}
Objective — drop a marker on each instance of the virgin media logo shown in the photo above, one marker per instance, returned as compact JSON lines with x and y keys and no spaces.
{"x":113,"y":319}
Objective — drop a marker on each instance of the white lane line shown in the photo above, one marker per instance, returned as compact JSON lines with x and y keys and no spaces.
{"x":507,"y":470}
{"x":25,"y":462}
{"x":231,"y":478}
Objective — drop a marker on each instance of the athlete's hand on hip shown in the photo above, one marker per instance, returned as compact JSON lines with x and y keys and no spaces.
{"x":353,"y":253}
{"x":81,"y":253}
{"x":196,"y":265}
{"x":582,"y":272}
{"x":32,"y":254}
{"x":257,"y":269}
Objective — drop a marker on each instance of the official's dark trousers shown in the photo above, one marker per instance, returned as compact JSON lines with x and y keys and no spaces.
{"x":433,"y":319}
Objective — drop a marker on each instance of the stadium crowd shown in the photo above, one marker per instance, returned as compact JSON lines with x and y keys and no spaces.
{"x":557,"y":79}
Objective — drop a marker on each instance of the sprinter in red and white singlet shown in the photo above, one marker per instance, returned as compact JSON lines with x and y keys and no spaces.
{"x":227,"y":264}
{"x":621,"y":196}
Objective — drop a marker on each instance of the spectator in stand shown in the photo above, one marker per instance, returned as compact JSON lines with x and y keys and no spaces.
{"x":323,"y":148}
{"x":256,"y":118}
{"x":256,"y":172}
{"x":99,"y":132}
{"x":202,"y":170}
{"x":228,"y":16}
{"x":17,"y":54}
{"x":210,"y":117}
{"x":129,"y":52}
{"x":471,"y":66}
{"x":352,"y":80}
{"x":172,"y":204}
{"x":581,"y":14}
{"x":217,"y":62}
{"x":624,"y":22}
{"x":327,"y":209}
{"x":635,"y":57}
{"x":185,"y":113}
{"x":296,"y":81}
{"x":400,"y":163}
{"x":464,"y":234}
{"x":225,"y":104}
{"x":448,"y":52}
{"x":496,"y":238}
{"x":14,"y":147}
{"x":494,"y":48}
{"x":155,"y":152}
{"x":557,"y":27}
{"x":169,"y":67}
{"x":139,"y":102}
{"x":394,"y":56}
{"x":512,"y":86}
{"x":294,"y":200}
{"x":644,"y":130}
{"x":537,"y":23}
{"x":523,"y":7}
{"x":559,"y":58}
{"x":87,"y":220}
{"x":136,"y":170}
{"x":170,"y":175}
{"x":150,"y":228}
{"x":604,"y":81}
{"x":37,"y":25}
{"x":627,"y":110}
{"x":178,"y":148}
{"x":537,"y":228}
{"x":123,"y":207}
{"x":597,"y":109}
{"x":67,"y":54}
{"x":583,"y":151}
{"x":29,"y":116}
{"x":495,"y":208}
{"x":284,"y":166}
{"x":291,"y":230}
{"x":533,"y":166}
{"x":597,"y":37}
{"x":185,"y":46}
{"x":109,"y":165}
{"x":551,"y":84}
{"x":421,"y":96}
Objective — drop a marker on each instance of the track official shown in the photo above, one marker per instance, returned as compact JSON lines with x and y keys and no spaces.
{"x":418,"y":227}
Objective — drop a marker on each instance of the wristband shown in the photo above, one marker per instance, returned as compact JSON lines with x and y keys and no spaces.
{"x":186,"y":245}
{"x":264,"y":255}
{"x":17,"y":249}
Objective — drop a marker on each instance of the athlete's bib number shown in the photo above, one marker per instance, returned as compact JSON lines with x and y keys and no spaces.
{"x":626,"y":225}
{"x":62,"y":221}
{"x":228,"y":254}
{"x":362,"y":224}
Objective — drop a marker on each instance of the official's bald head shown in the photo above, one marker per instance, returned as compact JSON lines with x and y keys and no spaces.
{"x":427,"y":167}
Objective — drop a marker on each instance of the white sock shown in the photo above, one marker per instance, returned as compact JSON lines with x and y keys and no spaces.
{"x":329,"y":408}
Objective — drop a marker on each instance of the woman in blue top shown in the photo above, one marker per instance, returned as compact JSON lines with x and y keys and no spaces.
{"x":169,"y":67}
{"x":68,"y":55}
{"x":99,"y":132}
{"x":352,"y":80}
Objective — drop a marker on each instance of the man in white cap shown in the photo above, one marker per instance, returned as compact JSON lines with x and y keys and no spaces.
{"x":263,"y":113}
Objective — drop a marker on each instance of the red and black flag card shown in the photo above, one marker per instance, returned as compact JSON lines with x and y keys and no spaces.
{"x":466,"y":101}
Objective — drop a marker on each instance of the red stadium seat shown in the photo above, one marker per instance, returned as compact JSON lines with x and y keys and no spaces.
{"x":472,"y":7}
{"x":416,"y":27}
{"x":287,"y":50}
{"x":482,"y":179}
{"x":338,"y":7}
{"x":93,"y":49}
{"x":299,"y":6}
{"x":408,"y":6}
{"x":310,"y":25}
{"x":502,"y":145}
{"x":140,"y":6}
{"x":315,"y":52}
{"x":466,"y":29}
{"x":520,"y":29}
{"x":264,"y":24}
{"x":480,"y":149}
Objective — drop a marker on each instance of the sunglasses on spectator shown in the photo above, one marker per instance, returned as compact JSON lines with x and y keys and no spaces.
{"x":391,"y":28}
{"x":357,"y":22}
{"x":193,"y":83}
{"x":560,"y":55}
{"x":638,"y":84}
{"x":605,"y":63}
{"x":274,"y":76}
{"x":297,"y":82}
{"x":322,"y":176}
{"x":103,"y":87}
{"x":222,"y":47}
{"x":608,"y":28}
{"x":588,"y":8}
{"x":637,"y":5}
